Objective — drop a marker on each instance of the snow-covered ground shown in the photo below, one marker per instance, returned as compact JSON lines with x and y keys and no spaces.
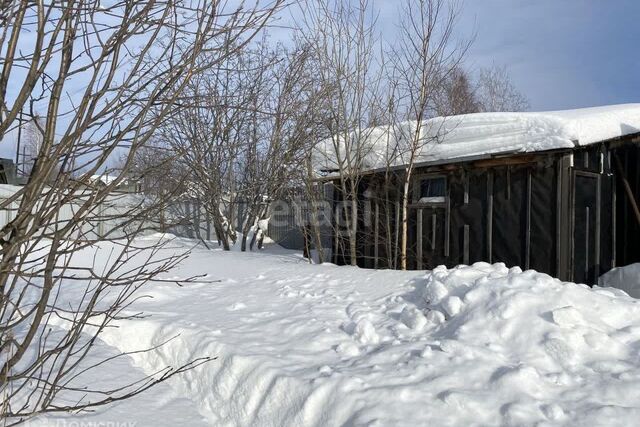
{"x":320,"y":345}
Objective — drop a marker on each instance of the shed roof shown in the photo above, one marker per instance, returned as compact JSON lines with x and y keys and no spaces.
{"x":449,"y":139}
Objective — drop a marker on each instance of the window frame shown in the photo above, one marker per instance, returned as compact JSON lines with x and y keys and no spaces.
{"x":417,"y":185}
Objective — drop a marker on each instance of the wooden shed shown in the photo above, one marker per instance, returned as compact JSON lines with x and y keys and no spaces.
{"x":565,"y":204}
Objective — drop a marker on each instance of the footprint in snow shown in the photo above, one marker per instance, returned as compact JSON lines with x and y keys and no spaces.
{"x":263,"y":315}
{"x":236,"y":306}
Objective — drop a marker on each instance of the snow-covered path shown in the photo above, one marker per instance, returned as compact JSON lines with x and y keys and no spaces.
{"x":307,"y":345}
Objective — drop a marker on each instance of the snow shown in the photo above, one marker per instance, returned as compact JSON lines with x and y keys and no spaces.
{"x":482,"y":134}
{"x":106,"y":179}
{"x":156,"y":407}
{"x":625,"y":278}
{"x":7,"y":190}
{"x":436,"y":199}
{"x":320,"y":345}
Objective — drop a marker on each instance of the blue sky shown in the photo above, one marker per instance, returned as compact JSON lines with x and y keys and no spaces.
{"x":560,"y":53}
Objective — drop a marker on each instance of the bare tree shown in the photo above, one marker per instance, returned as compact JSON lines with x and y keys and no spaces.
{"x":159,"y":174}
{"x":457,"y":94}
{"x":106,"y":75}
{"x":489,"y":91}
{"x":426,"y":60}
{"x":342,"y":38}
{"x":239,"y":134}
{"x":204,"y":136}
{"x":276,"y":143}
{"x":496,"y":92}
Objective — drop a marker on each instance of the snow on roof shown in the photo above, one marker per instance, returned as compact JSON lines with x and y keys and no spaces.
{"x":480,"y":134}
{"x":106,"y":179}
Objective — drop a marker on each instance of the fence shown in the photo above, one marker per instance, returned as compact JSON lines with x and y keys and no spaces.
{"x":286,"y":225}
{"x":112,"y":218}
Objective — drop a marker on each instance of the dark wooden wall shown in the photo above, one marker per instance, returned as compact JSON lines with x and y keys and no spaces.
{"x":627,"y":230}
{"x":562,"y":213}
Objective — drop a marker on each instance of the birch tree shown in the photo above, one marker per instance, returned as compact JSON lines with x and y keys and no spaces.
{"x":426,"y":57}
{"x":350,"y":75}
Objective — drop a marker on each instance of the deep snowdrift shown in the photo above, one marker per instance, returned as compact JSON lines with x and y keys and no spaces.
{"x":625,"y":278}
{"x":304,"y":345}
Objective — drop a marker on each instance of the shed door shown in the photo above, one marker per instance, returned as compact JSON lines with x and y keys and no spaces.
{"x":586,"y":228}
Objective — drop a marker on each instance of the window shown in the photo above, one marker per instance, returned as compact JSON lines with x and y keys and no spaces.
{"x":431,"y":190}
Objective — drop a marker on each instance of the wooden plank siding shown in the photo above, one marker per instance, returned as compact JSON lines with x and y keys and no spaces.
{"x":521,"y":210}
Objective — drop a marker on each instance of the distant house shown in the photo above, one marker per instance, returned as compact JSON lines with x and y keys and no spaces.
{"x":557,"y":192}
{"x":124,"y":186}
